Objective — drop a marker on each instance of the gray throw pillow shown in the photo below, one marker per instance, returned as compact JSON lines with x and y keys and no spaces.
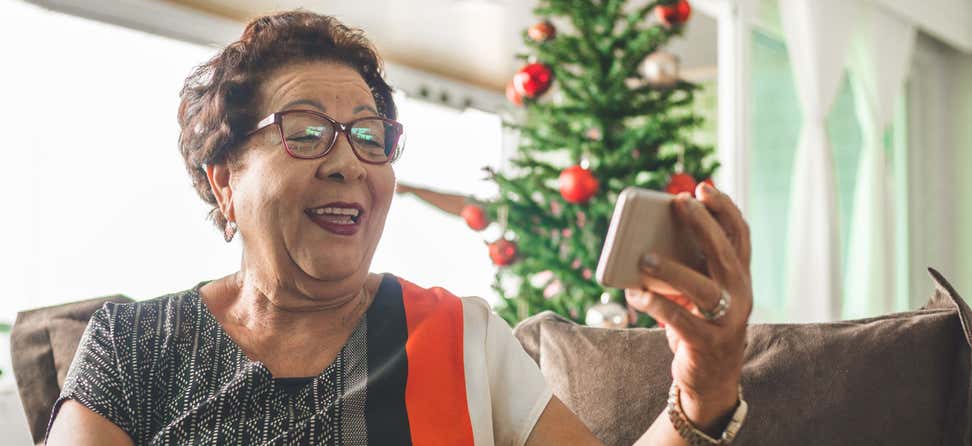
{"x":896,"y":379}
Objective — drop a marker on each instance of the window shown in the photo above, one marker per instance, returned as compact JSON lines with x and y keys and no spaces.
{"x":776,"y":121}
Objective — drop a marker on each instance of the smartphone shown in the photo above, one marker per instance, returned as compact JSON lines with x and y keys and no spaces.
{"x":643,"y":222}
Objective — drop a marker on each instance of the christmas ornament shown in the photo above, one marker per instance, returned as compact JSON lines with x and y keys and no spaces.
{"x":674,"y":14}
{"x":502,"y":252}
{"x":510,"y":284}
{"x":577,"y":184}
{"x":607,"y":314}
{"x":475,"y":217}
{"x":660,"y":69}
{"x":512,"y":95}
{"x":542,"y":278}
{"x":533,"y":80}
{"x":542,"y":31}
{"x":554,"y":288}
{"x":681,"y":182}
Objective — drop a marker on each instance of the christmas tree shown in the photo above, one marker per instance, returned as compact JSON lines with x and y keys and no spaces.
{"x":600,"y":108}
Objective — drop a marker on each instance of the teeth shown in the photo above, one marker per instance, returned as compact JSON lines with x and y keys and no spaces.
{"x":344,"y":219}
{"x":336,"y":211}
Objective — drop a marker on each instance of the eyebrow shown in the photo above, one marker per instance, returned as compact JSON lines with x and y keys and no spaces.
{"x":362,"y":108}
{"x":309,"y":102}
{"x":321,"y":107}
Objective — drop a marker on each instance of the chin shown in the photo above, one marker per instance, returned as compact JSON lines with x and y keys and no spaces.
{"x":331,"y":269}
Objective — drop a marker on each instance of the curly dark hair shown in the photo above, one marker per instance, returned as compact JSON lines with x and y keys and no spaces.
{"x":218,"y":98}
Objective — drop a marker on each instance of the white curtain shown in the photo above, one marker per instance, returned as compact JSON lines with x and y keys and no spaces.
{"x":818,"y":36}
{"x":879,"y":61}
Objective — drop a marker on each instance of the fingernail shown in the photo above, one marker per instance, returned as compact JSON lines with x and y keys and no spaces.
{"x":695,"y":204}
{"x":707,"y":188}
{"x":649,"y":261}
{"x":680,"y":201}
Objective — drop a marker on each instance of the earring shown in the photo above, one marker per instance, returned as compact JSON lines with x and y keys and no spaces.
{"x":230,"y":231}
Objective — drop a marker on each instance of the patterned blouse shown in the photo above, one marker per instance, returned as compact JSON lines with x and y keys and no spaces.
{"x":422,"y":367}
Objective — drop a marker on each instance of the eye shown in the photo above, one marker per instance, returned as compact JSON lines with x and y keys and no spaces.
{"x":366,"y":135}
{"x":309,"y":134}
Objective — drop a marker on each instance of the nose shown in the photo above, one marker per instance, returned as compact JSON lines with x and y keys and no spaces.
{"x":341,"y":163}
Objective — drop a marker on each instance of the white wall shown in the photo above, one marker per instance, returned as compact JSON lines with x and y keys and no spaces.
{"x":938,"y":166}
{"x":948,"y":20}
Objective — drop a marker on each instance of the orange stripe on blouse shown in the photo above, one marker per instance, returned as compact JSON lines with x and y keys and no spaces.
{"x":435,"y":393}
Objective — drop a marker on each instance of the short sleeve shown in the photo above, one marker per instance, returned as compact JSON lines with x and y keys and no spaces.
{"x":518,"y":391}
{"x":95,"y":378}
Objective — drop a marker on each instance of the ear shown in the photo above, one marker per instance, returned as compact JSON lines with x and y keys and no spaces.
{"x":219,"y":182}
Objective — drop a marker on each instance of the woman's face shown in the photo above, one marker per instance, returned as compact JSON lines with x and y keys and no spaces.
{"x":274,"y":195}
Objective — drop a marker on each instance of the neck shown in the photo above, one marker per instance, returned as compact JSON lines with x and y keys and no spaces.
{"x":269,"y":320}
{"x":273,"y":310}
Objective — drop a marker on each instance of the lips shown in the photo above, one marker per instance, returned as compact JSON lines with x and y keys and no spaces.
{"x":338,"y":217}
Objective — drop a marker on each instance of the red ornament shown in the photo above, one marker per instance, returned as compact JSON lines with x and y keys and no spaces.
{"x":475,"y":217}
{"x":681,"y":182}
{"x":502,"y":252}
{"x":577,"y":184}
{"x":674,"y":15}
{"x":512,"y":95}
{"x":542,"y":31}
{"x":533,"y":80}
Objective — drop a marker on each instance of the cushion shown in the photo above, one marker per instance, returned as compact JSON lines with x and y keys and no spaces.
{"x":42,"y":346}
{"x":896,"y":379}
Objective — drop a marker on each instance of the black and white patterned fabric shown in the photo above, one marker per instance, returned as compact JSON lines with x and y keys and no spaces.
{"x":166,"y":373}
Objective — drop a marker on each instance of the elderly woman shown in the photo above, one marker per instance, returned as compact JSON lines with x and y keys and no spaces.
{"x":289,"y":133}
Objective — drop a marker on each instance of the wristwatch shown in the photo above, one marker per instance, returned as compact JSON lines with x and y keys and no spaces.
{"x":692,"y":434}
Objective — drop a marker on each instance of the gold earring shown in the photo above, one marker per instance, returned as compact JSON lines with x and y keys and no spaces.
{"x":229,"y":231}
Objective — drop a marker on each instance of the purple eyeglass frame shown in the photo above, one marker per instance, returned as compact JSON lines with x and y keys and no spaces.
{"x":277,"y":120}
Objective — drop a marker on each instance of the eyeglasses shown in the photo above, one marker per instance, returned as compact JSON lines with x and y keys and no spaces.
{"x":308,"y":134}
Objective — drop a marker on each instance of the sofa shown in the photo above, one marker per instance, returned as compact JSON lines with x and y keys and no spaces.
{"x":898,"y":379}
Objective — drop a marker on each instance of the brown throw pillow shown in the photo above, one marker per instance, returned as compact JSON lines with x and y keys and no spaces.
{"x":896,"y":379}
{"x":42,"y":346}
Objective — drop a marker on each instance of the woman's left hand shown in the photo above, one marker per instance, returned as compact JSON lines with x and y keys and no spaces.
{"x":708,"y":353}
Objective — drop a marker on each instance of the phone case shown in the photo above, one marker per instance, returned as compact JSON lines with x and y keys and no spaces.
{"x":643,"y":221}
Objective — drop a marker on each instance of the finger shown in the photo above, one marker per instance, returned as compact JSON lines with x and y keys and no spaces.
{"x":681,"y":300}
{"x":689,"y":328}
{"x":728,"y":215}
{"x":720,"y":256}
{"x":701,"y":290}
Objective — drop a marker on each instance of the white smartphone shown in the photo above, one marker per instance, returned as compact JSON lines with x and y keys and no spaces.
{"x":643,"y":222}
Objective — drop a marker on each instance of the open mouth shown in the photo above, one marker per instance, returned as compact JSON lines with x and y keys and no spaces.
{"x":340,"y":218}
{"x":337,"y":215}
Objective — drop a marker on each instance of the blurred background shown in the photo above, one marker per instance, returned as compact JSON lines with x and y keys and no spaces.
{"x":842,"y":127}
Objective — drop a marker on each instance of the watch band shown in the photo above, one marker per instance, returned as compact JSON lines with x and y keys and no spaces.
{"x":692,"y":434}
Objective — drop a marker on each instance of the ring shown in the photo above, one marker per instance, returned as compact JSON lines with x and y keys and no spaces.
{"x":720,"y":309}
